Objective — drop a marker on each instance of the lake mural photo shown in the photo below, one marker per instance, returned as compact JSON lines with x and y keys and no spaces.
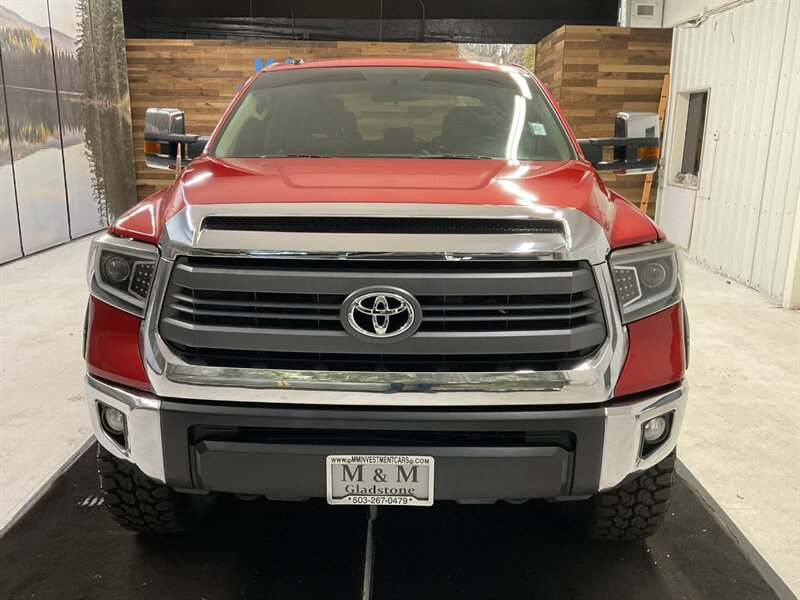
{"x":66,"y":154}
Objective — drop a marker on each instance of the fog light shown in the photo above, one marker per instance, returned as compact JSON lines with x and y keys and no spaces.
{"x":114,"y":419}
{"x":655,"y":430}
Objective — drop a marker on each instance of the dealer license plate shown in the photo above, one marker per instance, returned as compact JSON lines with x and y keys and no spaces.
{"x":380,"y":479}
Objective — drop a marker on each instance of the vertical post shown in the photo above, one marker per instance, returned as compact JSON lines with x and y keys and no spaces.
{"x":380,"y":21}
{"x":662,"y":107}
{"x":178,"y":161}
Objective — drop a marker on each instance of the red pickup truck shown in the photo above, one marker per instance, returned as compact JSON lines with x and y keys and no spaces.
{"x":388,"y":282}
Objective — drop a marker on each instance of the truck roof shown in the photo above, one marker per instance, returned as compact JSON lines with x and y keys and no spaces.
{"x":447,"y":63}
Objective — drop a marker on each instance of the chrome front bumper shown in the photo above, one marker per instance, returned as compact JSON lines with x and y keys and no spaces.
{"x":143,"y":425}
{"x":621,"y":443}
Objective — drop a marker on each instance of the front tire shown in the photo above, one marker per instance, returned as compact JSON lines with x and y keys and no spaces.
{"x":139,"y":503}
{"x":632,"y":511}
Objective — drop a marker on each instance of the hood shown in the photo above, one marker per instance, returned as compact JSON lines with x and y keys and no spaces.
{"x":570,"y":184}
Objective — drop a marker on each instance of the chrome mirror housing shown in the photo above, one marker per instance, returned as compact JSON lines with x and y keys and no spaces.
{"x":636,"y":125}
{"x":166,"y":144}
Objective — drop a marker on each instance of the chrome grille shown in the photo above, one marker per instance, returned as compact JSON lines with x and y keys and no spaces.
{"x":476,"y":315}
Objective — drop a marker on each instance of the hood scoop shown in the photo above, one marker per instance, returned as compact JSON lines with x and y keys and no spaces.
{"x":386,"y":225}
{"x":334,"y":173}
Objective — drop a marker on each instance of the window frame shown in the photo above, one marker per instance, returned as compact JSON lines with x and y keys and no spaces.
{"x":674,"y":163}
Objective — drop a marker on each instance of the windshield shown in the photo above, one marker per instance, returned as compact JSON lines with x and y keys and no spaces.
{"x":393,"y":112}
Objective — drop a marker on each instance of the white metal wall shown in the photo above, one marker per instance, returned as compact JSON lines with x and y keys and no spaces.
{"x":747,"y":199}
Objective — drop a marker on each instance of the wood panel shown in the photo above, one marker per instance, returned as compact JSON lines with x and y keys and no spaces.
{"x":595,"y":72}
{"x":550,"y":61}
{"x":202,"y":76}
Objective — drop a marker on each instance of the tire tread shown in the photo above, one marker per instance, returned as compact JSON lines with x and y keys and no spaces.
{"x":632,"y":511}
{"x":139,"y":503}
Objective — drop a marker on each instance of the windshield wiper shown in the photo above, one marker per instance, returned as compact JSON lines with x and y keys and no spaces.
{"x":464,"y":156}
{"x":456,"y":156}
{"x":292,"y":156}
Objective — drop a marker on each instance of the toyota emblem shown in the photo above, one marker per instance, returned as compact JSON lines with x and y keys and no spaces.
{"x":381,"y":314}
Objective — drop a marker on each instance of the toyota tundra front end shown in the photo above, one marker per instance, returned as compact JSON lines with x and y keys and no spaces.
{"x":388,"y":282}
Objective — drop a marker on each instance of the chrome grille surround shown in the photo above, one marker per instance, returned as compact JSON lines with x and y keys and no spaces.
{"x":267,"y":312}
{"x":590,"y":381}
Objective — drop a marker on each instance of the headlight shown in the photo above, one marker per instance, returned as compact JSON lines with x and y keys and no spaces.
{"x":121,"y":272}
{"x":647,"y":279}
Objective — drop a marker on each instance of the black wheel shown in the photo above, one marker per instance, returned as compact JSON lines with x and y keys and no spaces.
{"x":632,"y":511}
{"x":142,"y":504}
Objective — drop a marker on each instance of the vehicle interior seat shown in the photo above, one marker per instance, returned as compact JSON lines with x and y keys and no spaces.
{"x":464,"y":123}
{"x":397,"y":140}
{"x":322,"y":126}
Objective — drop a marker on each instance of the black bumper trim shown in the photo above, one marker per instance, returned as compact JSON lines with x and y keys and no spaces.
{"x":297,"y":470}
{"x":461,"y":473}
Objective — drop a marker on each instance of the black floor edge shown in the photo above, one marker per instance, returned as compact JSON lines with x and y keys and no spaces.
{"x":754,"y":556}
{"x":46,"y":485}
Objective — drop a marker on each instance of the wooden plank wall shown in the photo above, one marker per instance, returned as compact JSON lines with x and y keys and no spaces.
{"x":202,"y":76}
{"x":595,"y":72}
{"x":549,"y":63}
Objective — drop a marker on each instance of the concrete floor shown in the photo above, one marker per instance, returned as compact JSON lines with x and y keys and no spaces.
{"x":741,"y":437}
{"x":43,"y":416}
{"x":740,"y":440}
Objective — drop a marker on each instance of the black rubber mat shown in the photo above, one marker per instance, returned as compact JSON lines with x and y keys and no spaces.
{"x":66,"y":546}
{"x":522,"y":551}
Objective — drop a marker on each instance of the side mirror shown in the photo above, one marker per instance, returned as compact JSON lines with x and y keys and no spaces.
{"x":166,"y":144}
{"x":635,"y":145}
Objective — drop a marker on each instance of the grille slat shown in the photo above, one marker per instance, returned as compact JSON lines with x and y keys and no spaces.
{"x":508,"y":306}
{"x":285,"y":313}
{"x":335,"y":339}
{"x":557,"y":317}
{"x":402,"y":363}
{"x":339,"y":280}
{"x":253,"y":303}
{"x":260,"y":315}
{"x":377,"y":437}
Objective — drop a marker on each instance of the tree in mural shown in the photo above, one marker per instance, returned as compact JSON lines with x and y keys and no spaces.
{"x":84,"y":49}
{"x":103,"y":73}
{"x":29,"y":62}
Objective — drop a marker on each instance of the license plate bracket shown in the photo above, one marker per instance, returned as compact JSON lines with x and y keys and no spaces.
{"x":380,"y":480}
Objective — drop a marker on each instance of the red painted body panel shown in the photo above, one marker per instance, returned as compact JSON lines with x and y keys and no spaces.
{"x":210,"y":180}
{"x":143,"y":221}
{"x":112,"y":346}
{"x":630,"y":226}
{"x":656,"y":352}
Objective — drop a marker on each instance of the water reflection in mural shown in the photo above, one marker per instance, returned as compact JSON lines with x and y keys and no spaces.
{"x":10,"y":243}
{"x":66,"y":97}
